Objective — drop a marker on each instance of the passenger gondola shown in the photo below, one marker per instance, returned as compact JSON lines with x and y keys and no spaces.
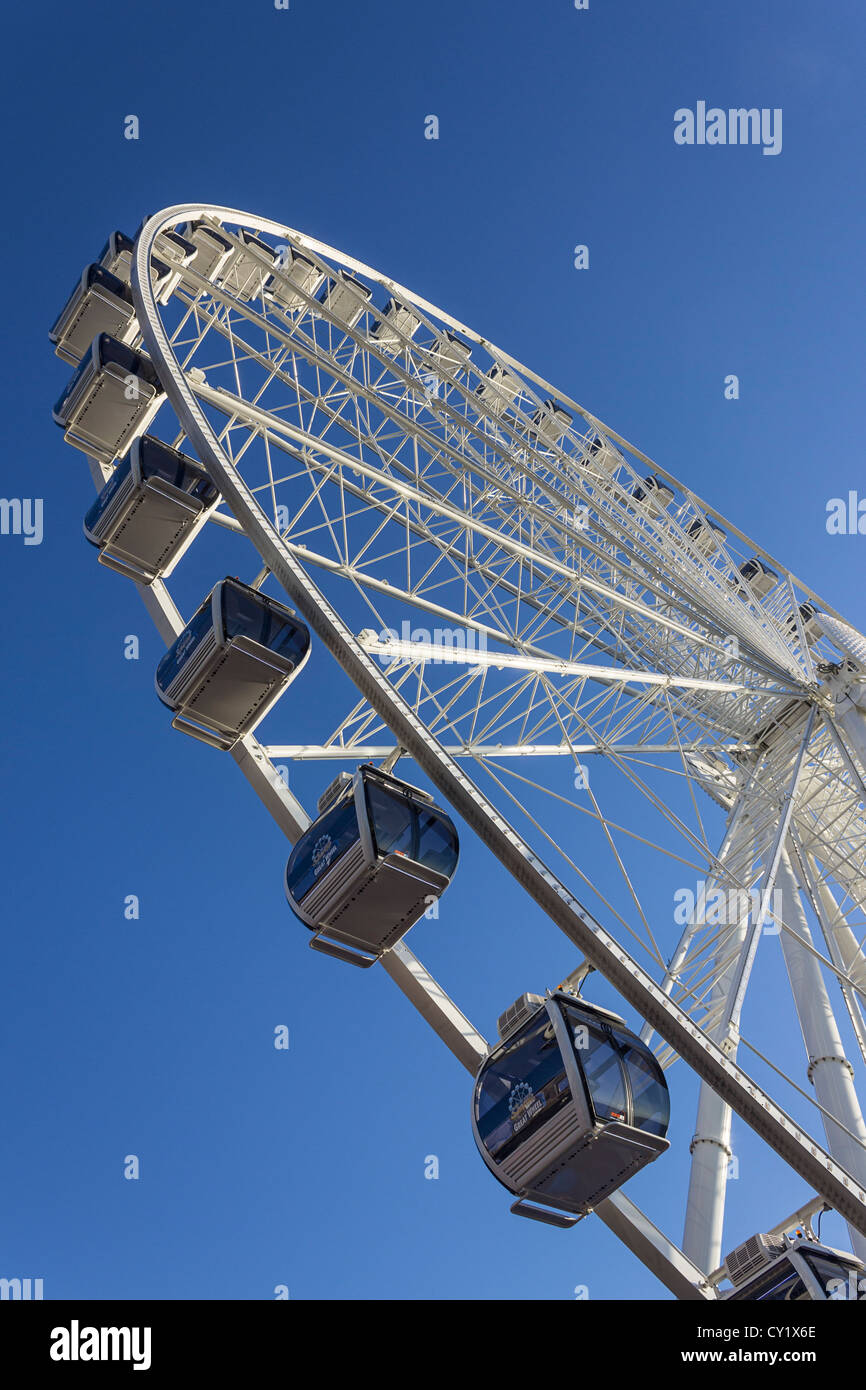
{"x":213,"y":253}
{"x":172,"y":252}
{"x":100,"y":303}
{"x":602,"y":455}
{"x":379,"y":854}
{"x":812,"y":628}
{"x":705,"y":536}
{"x":231,"y":663}
{"x":110,"y":399}
{"x":451,"y":350}
{"x":116,"y":255}
{"x":249,"y":269}
{"x":295,"y":280}
{"x":346,"y":298}
{"x":567,"y":1107}
{"x":551,"y":421}
{"x":759,"y":577}
{"x":782,"y":1269}
{"x":498,"y":389}
{"x":397,"y":323}
{"x":172,"y":255}
{"x":653,"y":495}
{"x":150,"y":510}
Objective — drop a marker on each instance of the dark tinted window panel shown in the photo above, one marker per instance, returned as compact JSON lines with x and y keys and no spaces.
{"x":246,"y":614}
{"x":120,"y":473}
{"x":521,"y":1088}
{"x":321,"y":847}
{"x":180,"y":650}
{"x":651,"y":1107}
{"x":437,"y":841}
{"x":160,"y":461}
{"x":393,"y":821}
{"x":782,"y":1285}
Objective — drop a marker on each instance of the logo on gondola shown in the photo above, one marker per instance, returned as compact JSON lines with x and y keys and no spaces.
{"x":523,"y":1103}
{"x":520,"y":1094}
{"x":323,"y":852}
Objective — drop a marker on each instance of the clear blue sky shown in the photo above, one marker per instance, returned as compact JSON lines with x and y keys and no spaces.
{"x":154,"y":1037}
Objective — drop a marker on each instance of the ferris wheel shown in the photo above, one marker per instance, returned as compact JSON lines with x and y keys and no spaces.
{"x":511,"y":589}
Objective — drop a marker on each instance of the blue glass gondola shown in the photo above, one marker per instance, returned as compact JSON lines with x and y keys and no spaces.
{"x":231,"y":663}
{"x":567,"y":1107}
{"x":150,"y":510}
{"x":379,"y":854}
{"x":100,"y":303}
{"x":783,"y":1269}
{"x":110,"y":399}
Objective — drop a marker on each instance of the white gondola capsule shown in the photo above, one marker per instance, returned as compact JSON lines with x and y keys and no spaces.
{"x":705,"y":536}
{"x":498,"y":389}
{"x":600,"y":454}
{"x":172,"y":254}
{"x":653,"y":495}
{"x":100,"y":303}
{"x":552,"y":420}
{"x":171,"y":249}
{"x":396,"y":324}
{"x":150,"y":510}
{"x":110,"y":399}
{"x":116,"y":255}
{"x":213,"y":253}
{"x":250,"y":266}
{"x":567,"y":1107}
{"x":376,"y":859}
{"x":782,"y":1269}
{"x":759,"y":577}
{"x":346,"y":298}
{"x":451,"y":350}
{"x":294,"y":278}
{"x":811,"y":625}
{"x":231,"y":663}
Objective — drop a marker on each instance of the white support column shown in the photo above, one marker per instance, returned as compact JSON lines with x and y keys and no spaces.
{"x":843,"y":948}
{"x":711,"y":1145}
{"x":830,"y":1071}
{"x":711,"y":1154}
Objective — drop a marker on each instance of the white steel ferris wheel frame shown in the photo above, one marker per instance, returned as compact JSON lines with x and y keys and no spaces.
{"x":837,"y":1174}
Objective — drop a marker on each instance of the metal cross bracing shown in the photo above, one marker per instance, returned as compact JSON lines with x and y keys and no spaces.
{"x":447,"y":521}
